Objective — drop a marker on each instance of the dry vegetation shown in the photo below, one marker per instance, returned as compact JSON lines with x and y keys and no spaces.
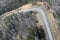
{"x":22,"y":24}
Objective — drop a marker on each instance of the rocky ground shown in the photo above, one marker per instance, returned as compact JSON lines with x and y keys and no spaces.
{"x":55,"y":4}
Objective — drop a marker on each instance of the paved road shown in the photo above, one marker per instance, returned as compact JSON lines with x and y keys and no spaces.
{"x":43,"y":13}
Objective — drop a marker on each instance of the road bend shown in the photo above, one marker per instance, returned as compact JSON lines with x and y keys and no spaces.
{"x":43,"y":13}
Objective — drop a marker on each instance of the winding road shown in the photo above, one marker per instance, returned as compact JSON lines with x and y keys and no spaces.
{"x":43,"y":13}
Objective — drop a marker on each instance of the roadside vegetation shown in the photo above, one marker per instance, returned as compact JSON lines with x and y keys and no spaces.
{"x":54,"y":15}
{"x":59,"y":24}
{"x":36,"y":32}
{"x":48,"y":1}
